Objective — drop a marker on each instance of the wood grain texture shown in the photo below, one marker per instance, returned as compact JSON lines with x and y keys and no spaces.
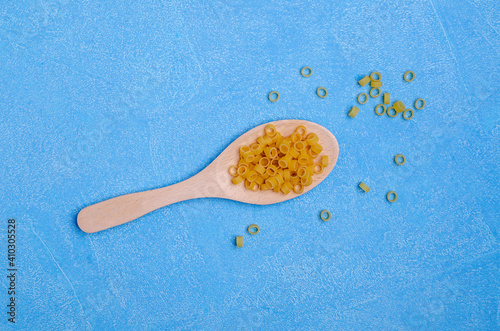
{"x":213,"y":181}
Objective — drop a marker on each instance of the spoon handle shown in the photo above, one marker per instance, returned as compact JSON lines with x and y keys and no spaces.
{"x":126,"y":208}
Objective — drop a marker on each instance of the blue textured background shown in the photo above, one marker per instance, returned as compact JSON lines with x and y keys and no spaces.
{"x":103,"y":99}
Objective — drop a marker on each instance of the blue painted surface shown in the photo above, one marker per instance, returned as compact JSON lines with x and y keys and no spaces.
{"x":103,"y":99}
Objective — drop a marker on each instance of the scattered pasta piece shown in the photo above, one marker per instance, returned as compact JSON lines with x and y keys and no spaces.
{"x":422,"y":104}
{"x":324,"y":161}
{"x":286,"y":187}
{"x":322,"y":89}
{"x":271,"y":96}
{"x":377,"y":74}
{"x":239,"y":241}
{"x":237,"y":180}
{"x":298,"y":188}
{"x":400,"y":156}
{"x":376,"y":83}
{"x":306,"y":71}
{"x":377,"y":107}
{"x":389,"y":196}
{"x":366,"y":98}
{"x":323,"y":217}
{"x":312,"y":138}
{"x":387,"y":98}
{"x":409,"y":73}
{"x":389,"y":112}
{"x":373,"y":89}
{"x":399,"y":106}
{"x":365,"y":80}
{"x":279,"y":163}
{"x":301,"y":130}
{"x":364,"y":187}
{"x":253,"y":229}
{"x":270,"y":130}
{"x":233,"y":171}
{"x":354,"y":111}
{"x":318,"y":168}
{"x":408,"y":110}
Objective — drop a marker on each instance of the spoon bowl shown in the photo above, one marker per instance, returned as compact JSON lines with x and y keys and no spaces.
{"x":212,"y":182}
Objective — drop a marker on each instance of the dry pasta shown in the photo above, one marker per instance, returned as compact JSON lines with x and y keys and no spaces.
{"x":251,"y":227}
{"x":298,"y":188}
{"x":374,"y":95}
{"x":306,"y":71}
{"x":365,"y":80}
{"x":423,"y":103}
{"x":405,"y":76}
{"x":238,"y":179}
{"x":312,"y":138}
{"x":306,"y":181}
{"x":322,"y":89}
{"x":286,"y":188}
{"x":376,"y":73}
{"x":353,"y":112}
{"x":274,"y":99}
{"x":398,"y":157}
{"x":389,"y":195}
{"x":408,"y":110}
{"x":382,"y":112}
{"x":280,"y":163}
{"x":399,"y":106}
{"x":389,"y":112}
{"x":325,"y":218}
{"x":387,"y":98}
{"x":302,"y":130}
{"x":233,"y":171}
{"x":239,"y":241}
{"x":365,"y":100}
{"x":318,"y":168}
{"x":364,"y":187}
{"x":324,"y":161}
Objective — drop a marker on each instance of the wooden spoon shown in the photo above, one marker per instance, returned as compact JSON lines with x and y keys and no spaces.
{"x":213,"y":181}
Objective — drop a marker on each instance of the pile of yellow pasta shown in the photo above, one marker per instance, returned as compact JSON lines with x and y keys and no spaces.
{"x":278,"y":163}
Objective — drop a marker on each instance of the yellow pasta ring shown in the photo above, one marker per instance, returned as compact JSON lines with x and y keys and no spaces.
{"x":238,"y":179}
{"x":366,"y":98}
{"x":321,"y":89}
{"x":399,"y":106}
{"x":371,"y":94}
{"x":389,"y":113}
{"x":423,"y":103}
{"x":277,"y":96}
{"x":325,"y":218}
{"x":387,"y":98}
{"x":376,"y":73}
{"x":299,"y":145}
{"x":239,"y":241}
{"x":382,"y":113}
{"x":396,"y":159}
{"x":251,"y":226}
{"x":298,"y":188}
{"x":408,"y":118}
{"x":302,"y":130}
{"x":306,"y":68}
{"x":324,"y":161}
{"x":318,"y":168}
{"x":364,"y":187}
{"x":365,"y":80}
{"x":405,"y":76}
{"x":233,"y":171}
{"x":353,"y":112}
{"x":395,"y":196}
{"x":270,"y":130}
